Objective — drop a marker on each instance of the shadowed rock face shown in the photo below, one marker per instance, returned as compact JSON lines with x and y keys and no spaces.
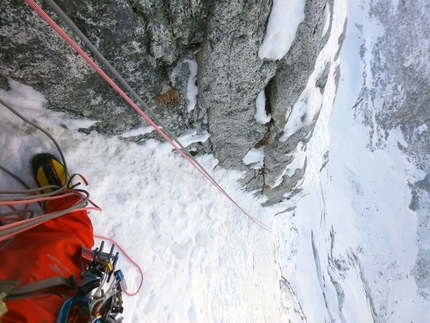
{"x":140,"y":46}
{"x":148,"y":42}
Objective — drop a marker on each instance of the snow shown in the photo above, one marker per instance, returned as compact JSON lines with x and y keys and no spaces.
{"x":357,"y":245}
{"x":191,"y":136}
{"x":138,"y":131}
{"x":298,"y":161}
{"x":260,"y":113}
{"x":255,"y":157}
{"x":327,"y":19}
{"x":422,"y":129}
{"x":192,"y":88}
{"x":285,"y":17}
{"x":314,"y":106}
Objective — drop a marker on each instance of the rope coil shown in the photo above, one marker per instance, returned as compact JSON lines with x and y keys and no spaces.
{"x":11,"y":198}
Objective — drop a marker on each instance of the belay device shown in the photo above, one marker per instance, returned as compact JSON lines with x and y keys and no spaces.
{"x":98,"y":298}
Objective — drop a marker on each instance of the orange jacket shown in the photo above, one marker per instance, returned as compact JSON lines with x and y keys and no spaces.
{"x":43,"y":252}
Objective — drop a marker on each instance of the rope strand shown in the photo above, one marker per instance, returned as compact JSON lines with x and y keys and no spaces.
{"x":130,"y":259}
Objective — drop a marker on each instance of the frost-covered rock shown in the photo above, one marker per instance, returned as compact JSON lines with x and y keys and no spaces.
{"x":140,"y":46}
{"x":396,"y":94}
{"x":295,"y":96}
{"x":396,"y":90}
{"x":242,"y":49}
{"x":231,"y":75}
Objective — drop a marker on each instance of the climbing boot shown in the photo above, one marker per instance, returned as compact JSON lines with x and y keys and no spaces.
{"x":48,"y":170}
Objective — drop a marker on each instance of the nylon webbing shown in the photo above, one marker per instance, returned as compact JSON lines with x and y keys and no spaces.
{"x":178,"y":146}
{"x":7,"y":285}
{"x":36,"y":288}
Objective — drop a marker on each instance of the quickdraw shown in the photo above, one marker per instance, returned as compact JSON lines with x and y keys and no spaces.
{"x":99,"y":296}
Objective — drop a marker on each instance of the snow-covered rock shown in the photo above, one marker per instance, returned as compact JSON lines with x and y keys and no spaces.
{"x":242,"y":49}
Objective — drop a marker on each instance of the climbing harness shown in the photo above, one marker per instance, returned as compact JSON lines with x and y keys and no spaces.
{"x":166,"y":134}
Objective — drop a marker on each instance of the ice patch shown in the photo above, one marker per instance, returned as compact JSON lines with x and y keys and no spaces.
{"x":260,"y":103}
{"x":299,"y":158}
{"x":397,"y":132}
{"x":191,"y":136}
{"x":192,"y":88}
{"x":298,"y":161}
{"x":137,"y":131}
{"x":327,"y":19}
{"x":304,"y":110}
{"x":422,"y":129}
{"x":284,"y":20}
{"x":254,"y":157}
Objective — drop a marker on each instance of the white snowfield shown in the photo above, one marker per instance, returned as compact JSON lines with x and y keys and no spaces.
{"x":345,"y":254}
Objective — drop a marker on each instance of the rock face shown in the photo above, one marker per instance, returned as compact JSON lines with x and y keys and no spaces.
{"x":283,"y":92}
{"x":398,"y":96}
{"x":404,"y":53}
{"x":231,"y":75}
{"x":150,"y":43}
{"x":35,"y":55}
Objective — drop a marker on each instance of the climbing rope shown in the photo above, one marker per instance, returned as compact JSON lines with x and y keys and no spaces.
{"x":10,"y":198}
{"x":130,"y":259}
{"x":166,"y":134}
{"x":29,"y":196}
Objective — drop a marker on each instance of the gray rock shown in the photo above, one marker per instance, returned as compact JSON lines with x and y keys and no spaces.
{"x":148,"y":43}
{"x":162,"y":44}
{"x":231,"y":75}
{"x":33,"y":54}
{"x":4,"y":84}
{"x":283,"y":90}
{"x":422,"y":268}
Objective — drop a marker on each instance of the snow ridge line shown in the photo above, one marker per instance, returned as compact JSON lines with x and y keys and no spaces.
{"x":200,"y":169}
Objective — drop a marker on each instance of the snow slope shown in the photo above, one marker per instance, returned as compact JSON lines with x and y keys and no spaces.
{"x":349,"y":249}
{"x":203,"y":259}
